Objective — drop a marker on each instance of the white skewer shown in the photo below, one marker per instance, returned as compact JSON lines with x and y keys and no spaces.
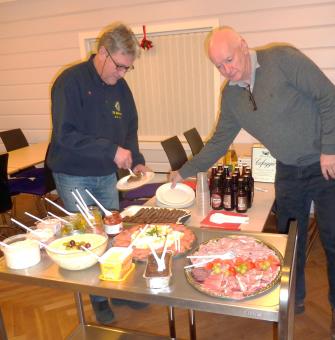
{"x":34,"y":217}
{"x":227,"y":256}
{"x":84,"y":215}
{"x":131,"y":173}
{"x":91,"y":252}
{"x":83,"y":208}
{"x":59,"y":207}
{"x":34,"y":232}
{"x":82,"y":201}
{"x":177,"y":242}
{"x":5,"y":245}
{"x":58,"y":218}
{"x":25,"y":227}
{"x":198,"y":264}
{"x":162,"y":259}
{"x":105,"y":211}
{"x":158,"y":260}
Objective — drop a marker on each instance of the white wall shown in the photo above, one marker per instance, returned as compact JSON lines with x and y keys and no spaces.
{"x":38,"y":38}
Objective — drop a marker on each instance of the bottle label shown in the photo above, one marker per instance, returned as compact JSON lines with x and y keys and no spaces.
{"x":242,"y":203}
{"x":216,"y":201}
{"x":227,"y":201}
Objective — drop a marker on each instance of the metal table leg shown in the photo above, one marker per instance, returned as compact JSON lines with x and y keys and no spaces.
{"x":80,"y":308}
{"x":172,"y":324}
{"x":192,"y":325}
{"x":287,"y":287}
{"x":3,"y":334}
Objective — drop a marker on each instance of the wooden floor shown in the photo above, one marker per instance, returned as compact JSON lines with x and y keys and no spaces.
{"x":35,"y":313}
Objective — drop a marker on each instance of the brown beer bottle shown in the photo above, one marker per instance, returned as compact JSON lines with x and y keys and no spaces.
{"x":252,"y":184}
{"x":247,"y":188}
{"x":244,"y":168}
{"x":226,"y":171}
{"x":213,"y":174}
{"x":242,"y":199}
{"x":216,"y":194}
{"x":220,"y":167}
{"x":238,"y":170}
{"x":228,"y":197}
{"x":234,"y":181}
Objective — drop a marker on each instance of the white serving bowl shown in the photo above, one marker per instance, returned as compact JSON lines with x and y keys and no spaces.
{"x":22,"y":252}
{"x":77,"y":259}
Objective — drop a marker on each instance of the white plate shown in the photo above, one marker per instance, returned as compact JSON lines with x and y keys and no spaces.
{"x":180,"y":196}
{"x":124,"y":185}
{"x":176,"y":206}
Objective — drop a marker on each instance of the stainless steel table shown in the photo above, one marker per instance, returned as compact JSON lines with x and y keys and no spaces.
{"x":276,"y":306}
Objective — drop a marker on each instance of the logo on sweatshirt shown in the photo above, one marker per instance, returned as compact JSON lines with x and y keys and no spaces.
{"x":117,"y":110}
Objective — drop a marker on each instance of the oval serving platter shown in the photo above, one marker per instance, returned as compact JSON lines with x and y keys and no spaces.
{"x":202,"y":288}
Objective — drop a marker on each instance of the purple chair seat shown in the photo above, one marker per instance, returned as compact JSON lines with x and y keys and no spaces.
{"x":31,"y":172}
{"x":126,"y":203}
{"x":26,"y":186}
{"x":15,"y":185}
{"x":145,"y":191}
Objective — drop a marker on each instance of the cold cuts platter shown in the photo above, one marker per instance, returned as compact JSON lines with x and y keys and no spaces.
{"x":234,"y":267}
{"x":179,"y":239}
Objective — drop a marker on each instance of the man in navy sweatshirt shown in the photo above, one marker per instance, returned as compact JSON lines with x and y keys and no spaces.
{"x":95,"y":130}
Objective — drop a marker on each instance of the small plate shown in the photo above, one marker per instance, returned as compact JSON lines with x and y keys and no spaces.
{"x":181,"y":196}
{"x":124,"y":185}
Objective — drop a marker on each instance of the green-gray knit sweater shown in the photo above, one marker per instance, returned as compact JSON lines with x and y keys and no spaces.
{"x":295,"y":116}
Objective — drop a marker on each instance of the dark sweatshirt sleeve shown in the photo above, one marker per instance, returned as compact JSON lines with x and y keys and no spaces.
{"x":68,"y":125}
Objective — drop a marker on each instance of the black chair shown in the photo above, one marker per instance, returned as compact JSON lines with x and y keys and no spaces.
{"x":194,"y":140}
{"x":40,"y":186}
{"x":175,"y":152}
{"x":8,"y":188}
{"x":15,"y":139}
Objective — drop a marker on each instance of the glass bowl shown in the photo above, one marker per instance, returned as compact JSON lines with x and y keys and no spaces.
{"x":72,"y":258}
{"x":78,"y":225}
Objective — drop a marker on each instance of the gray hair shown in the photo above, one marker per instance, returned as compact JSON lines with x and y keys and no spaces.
{"x":119,"y":37}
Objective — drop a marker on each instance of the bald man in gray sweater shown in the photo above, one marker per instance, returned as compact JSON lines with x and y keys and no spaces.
{"x":283,"y":99}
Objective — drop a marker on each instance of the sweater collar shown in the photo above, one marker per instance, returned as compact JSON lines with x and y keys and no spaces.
{"x":254,"y":66}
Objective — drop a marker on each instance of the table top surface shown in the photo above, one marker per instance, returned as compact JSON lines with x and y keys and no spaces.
{"x":25,"y":157}
{"x":179,"y":294}
{"x":258,"y":213}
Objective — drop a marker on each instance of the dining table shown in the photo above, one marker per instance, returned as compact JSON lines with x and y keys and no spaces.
{"x":26,"y":157}
{"x":274,"y":305}
{"x":264,"y":197}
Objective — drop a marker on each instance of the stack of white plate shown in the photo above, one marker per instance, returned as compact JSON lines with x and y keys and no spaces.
{"x":179,"y":197}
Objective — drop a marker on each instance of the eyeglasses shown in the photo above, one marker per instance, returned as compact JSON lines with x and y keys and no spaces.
{"x":118,"y":66}
{"x":251,"y":98}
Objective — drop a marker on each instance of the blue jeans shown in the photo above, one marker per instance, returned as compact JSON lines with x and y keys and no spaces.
{"x":296,"y":188}
{"x":103,"y":189}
